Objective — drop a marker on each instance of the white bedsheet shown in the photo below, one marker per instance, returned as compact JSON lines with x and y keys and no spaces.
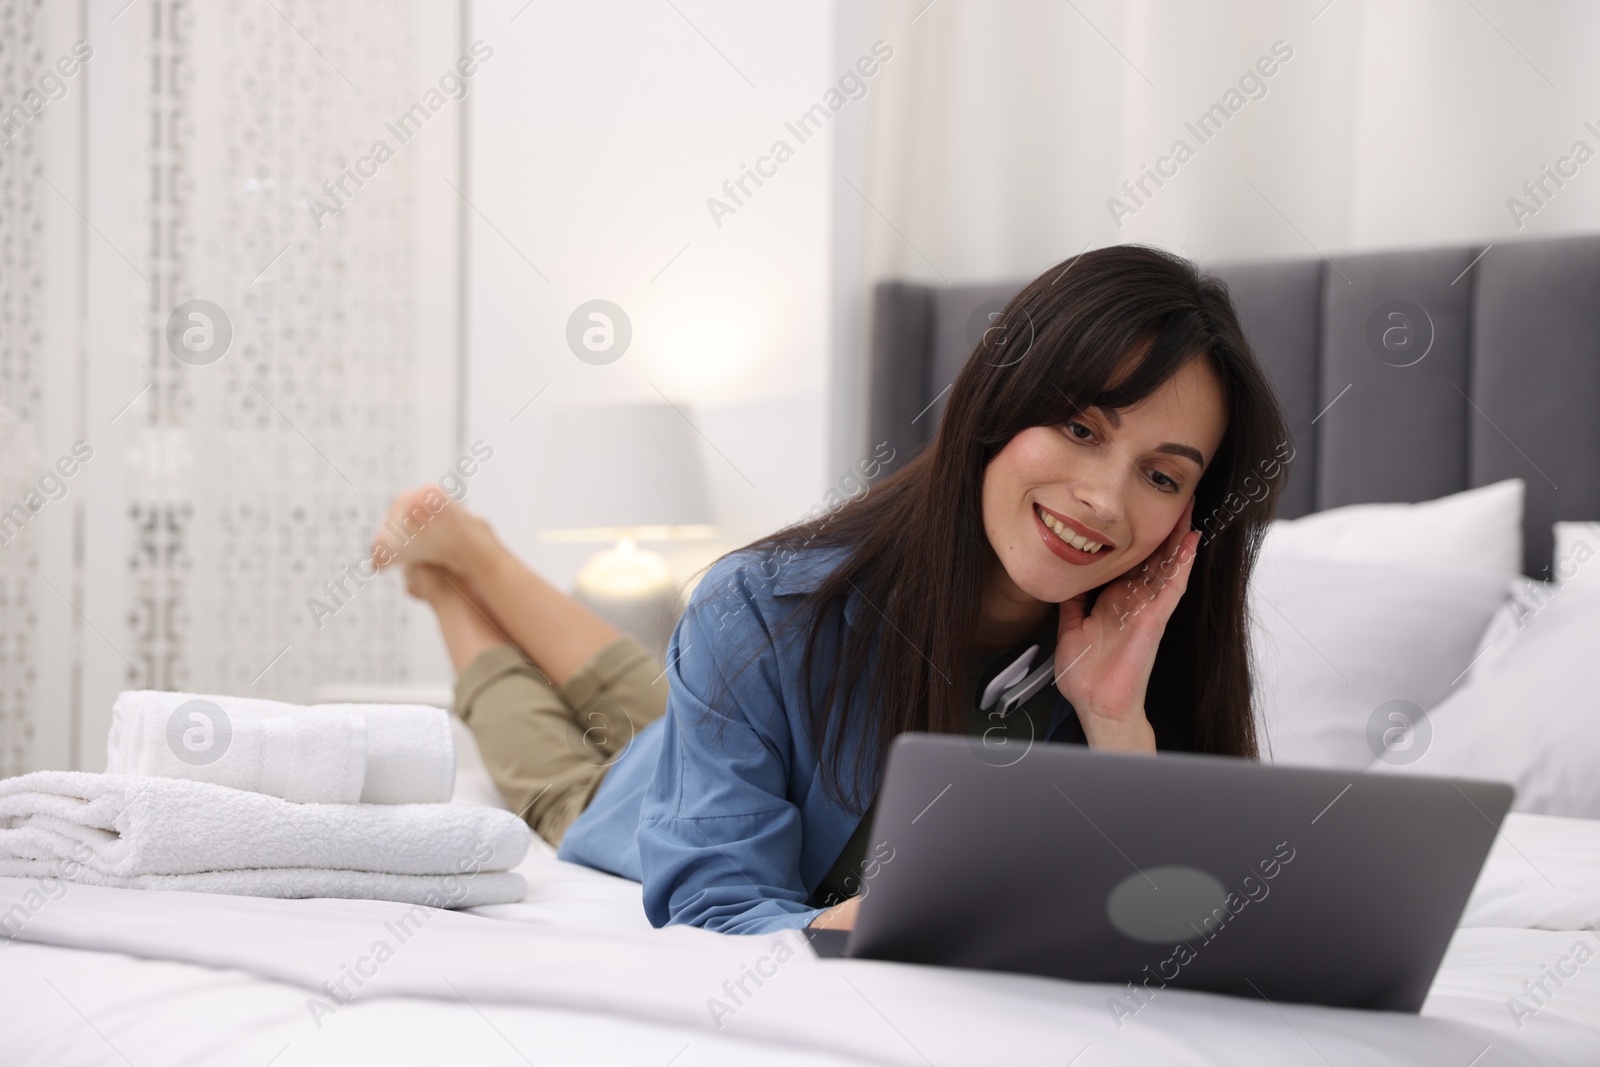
{"x":575,"y":974}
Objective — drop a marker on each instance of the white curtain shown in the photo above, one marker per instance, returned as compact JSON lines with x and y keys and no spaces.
{"x":1000,"y":130}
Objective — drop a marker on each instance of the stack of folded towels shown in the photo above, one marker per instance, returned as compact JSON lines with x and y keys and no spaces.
{"x":233,"y":795}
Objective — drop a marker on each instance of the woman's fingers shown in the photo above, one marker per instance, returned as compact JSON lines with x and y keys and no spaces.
{"x":1074,"y":611}
{"x":1170,"y":561}
{"x":1160,"y":580}
{"x":1174,"y":574}
{"x":1173,"y":558}
{"x":1180,"y":529}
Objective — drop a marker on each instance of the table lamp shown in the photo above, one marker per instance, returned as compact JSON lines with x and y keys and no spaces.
{"x":621,"y":474}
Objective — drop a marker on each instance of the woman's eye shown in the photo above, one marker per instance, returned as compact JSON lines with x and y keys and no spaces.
{"x":1164,"y":482}
{"x":1074,"y":427}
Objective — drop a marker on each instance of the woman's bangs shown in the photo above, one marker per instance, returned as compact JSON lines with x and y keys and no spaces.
{"x":1123,"y":382}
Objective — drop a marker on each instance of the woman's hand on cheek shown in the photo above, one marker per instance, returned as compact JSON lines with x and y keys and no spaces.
{"x":1103,"y":659}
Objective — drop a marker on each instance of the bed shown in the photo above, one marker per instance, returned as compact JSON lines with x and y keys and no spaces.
{"x":574,"y":974}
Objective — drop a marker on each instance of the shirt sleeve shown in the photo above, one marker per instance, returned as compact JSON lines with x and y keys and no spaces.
{"x":719,"y":839}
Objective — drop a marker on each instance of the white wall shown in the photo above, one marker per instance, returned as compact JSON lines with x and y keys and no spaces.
{"x":599,"y":132}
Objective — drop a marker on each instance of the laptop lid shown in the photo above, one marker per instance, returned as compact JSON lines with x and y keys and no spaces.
{"x":1194,"y":872}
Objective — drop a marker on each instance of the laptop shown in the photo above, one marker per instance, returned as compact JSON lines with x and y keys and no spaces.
{"x":1176,"y":870}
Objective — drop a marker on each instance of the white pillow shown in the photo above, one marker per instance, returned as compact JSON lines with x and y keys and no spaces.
{"x":1479,"y":529}
{"x":1334,"y":641}
{"x":1524,"y":597}
{"x":1577,"y":555}
{"x":1531,"y":718}
{"x":1577,"y":547}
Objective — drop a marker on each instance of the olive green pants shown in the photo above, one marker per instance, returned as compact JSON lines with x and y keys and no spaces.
{"x":547,"y":747}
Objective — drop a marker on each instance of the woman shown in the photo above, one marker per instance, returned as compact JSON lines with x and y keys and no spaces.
{"x":1113,"y":401}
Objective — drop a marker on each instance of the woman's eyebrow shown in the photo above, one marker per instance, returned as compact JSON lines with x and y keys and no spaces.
{"x":1171,"y":448}
{"x":1186,"y":451}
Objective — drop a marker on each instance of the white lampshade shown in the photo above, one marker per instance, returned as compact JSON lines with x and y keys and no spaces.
{"x":625,"y":470}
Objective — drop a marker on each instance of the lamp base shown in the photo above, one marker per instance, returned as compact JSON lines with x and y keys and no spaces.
{"x":633,"y":589}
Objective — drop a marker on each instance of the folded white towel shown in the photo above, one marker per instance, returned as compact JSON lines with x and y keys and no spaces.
{"x":170,"y":833}
{"x":328,"y":753}
{"x":466,"y":890}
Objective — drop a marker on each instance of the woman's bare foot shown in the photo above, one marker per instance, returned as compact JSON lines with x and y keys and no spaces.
{"x":487,"y":589}
{"x":468,"y":631}
{"x":424,"y":526}
{"x":426,"y":581}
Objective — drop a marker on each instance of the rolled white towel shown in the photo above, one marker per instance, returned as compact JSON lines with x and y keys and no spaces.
{"x":328,"y":753}
{"x":308,"y":755}
{"x":411,"y":753}
{"x":170,"y":833}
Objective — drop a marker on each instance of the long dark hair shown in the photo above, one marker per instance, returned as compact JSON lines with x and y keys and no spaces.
{"x":1059,"y":346}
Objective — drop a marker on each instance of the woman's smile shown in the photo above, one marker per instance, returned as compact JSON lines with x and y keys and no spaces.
{"x":1069,"y":538}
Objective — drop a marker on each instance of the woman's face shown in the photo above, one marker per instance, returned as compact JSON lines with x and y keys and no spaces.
{"x":1118,"y":478}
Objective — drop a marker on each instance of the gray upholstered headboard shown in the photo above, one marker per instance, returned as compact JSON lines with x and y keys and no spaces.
{"x":1508,"y":387}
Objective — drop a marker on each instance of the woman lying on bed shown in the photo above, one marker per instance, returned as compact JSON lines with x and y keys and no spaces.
{"x":1110,"y":422}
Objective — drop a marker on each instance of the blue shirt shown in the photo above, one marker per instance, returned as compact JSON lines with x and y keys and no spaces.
{"x":718,"y":807}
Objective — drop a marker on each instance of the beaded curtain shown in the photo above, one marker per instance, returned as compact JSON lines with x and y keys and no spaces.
{"x":277,"y":467}
{"x":252,"y":480}
{"x":21,"y":231}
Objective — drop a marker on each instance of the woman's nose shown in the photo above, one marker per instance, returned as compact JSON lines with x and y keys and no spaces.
{"x":1102,"y":490}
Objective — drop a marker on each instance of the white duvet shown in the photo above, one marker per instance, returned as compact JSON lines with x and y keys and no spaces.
{"x":574,"y":974}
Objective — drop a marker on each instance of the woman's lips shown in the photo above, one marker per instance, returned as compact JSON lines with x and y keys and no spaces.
{"x":1054,"y":543}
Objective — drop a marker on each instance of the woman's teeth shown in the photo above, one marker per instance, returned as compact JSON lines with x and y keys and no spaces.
{"x":1065,"y":532}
